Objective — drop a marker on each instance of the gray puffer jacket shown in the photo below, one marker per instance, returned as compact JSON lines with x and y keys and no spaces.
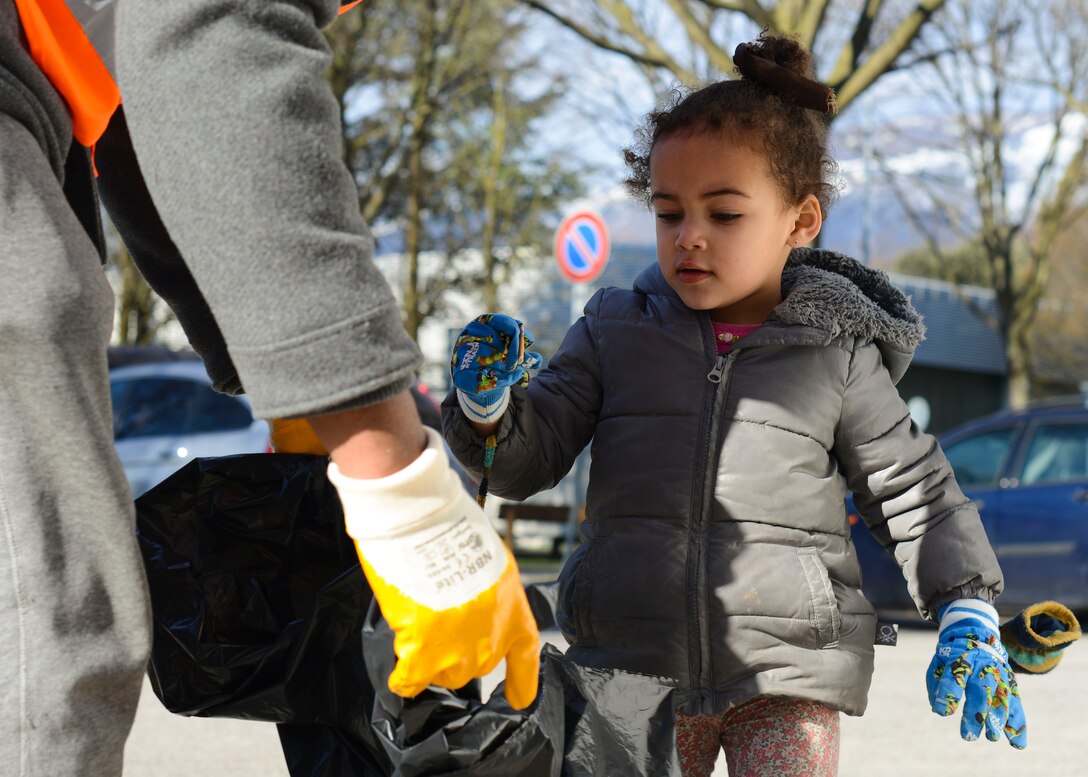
{"x":716,"y":549}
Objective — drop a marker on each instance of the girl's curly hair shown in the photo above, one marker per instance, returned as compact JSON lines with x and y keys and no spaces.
{"x":792,"y":138}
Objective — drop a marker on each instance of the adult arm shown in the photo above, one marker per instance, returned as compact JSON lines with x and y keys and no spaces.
{"x":128,"y":202}
{"x":238,"y":138}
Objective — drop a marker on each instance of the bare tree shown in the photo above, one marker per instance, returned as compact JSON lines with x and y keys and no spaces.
{"x":855,"y":42}
{"x":136,"y":321}
{"x":439,"y":123}
{"x":1058,"y":344}
{"x":141,"y":314}
{"x":1001,"y":70}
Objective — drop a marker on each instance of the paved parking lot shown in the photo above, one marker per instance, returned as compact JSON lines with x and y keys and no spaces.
{"x":897,"y":737}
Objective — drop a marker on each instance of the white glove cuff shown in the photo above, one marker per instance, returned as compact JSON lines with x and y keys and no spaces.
{"x":421,"y":532}
{"x":407,"y":501}
{"x":974,"y":609}
{"x":484,"y":413}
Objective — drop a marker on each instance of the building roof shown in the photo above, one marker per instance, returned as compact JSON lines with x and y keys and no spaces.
{"x":956,"y":337}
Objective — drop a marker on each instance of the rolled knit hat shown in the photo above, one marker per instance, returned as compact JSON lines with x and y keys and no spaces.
{"x":1037,"y":636}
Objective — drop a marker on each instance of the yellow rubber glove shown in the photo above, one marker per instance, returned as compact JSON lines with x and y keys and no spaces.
{"x":445,"y":582}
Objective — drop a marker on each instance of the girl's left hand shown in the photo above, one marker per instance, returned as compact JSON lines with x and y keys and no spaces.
{"x":971,"y":665}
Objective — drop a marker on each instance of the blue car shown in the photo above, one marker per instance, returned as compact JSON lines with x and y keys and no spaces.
{"x":1027,"y":471}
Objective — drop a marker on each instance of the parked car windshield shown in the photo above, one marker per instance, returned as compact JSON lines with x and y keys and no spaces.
{"x":149,"y":407}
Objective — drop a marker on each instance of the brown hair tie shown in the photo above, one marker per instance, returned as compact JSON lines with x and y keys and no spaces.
{"x":803,"y":91}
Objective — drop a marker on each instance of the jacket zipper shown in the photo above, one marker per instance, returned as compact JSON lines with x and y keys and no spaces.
{"x":699,"y":537}
{"x":715,"y":374}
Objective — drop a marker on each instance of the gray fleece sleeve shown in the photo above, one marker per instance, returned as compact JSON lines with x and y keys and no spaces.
{"x":237,"y":135}
{"x":545,"y":426}
{"x":906,"y":493}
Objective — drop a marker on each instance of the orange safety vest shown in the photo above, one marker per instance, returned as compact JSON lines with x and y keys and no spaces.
{"x":72,"y":42}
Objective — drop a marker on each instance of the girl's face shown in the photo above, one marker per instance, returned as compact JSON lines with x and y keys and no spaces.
{"x":723,"y":229}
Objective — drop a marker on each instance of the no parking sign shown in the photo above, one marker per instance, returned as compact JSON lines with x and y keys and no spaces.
{"x":581,"y":246}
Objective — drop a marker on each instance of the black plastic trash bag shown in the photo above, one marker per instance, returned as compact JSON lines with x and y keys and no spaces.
{"x":583,"y":722}
{"x":262,"y":612}
{"x":257,"y":597}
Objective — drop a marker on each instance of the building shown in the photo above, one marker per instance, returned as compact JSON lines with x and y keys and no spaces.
{"x":959,"y":369}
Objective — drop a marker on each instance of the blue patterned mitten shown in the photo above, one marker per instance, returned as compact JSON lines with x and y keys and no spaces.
{"x":491,"y":355}
{"x":971,"y":666}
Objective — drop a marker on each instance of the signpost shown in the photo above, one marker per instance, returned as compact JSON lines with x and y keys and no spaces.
{"x":582,"y":248}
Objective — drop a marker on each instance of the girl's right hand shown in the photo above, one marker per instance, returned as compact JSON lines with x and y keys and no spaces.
{"x":491,"y":355}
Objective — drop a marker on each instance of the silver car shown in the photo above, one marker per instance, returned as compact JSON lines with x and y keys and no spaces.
{"x":166,"y":414}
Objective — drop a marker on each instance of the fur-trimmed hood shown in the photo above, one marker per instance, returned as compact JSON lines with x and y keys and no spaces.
{"x":830,"y":291}
{"x":837,"y":296}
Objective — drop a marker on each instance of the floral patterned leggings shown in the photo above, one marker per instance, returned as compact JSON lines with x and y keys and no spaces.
{"x":768,"y":736}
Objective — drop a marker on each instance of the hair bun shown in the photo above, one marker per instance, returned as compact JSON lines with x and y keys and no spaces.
{"x":784,"y":67}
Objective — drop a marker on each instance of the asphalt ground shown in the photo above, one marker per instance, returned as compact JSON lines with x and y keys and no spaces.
{"x":897,"y":737}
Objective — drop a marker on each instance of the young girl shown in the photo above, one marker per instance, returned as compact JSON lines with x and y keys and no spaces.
{"x":731,"y":396}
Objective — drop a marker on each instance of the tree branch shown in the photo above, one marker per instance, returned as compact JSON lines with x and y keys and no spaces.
{"x":1052,"y":216}
{"x":697,"y":31}
{"x":620,"y":11}
{"x":1045,"y":166}
{"x":750,"y":8}
{"x":921,"y":225}
{"x":600,"y":41}
{"x":812,"y":20}
{"x":849,"y":80}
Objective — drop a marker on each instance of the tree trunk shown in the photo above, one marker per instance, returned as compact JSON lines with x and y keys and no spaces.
{"x":135,"y":304}
{"x":421,"y":110}
{"x":412,"y":318}
{"x":1018,"y":361}
{"x":491,"y":188}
